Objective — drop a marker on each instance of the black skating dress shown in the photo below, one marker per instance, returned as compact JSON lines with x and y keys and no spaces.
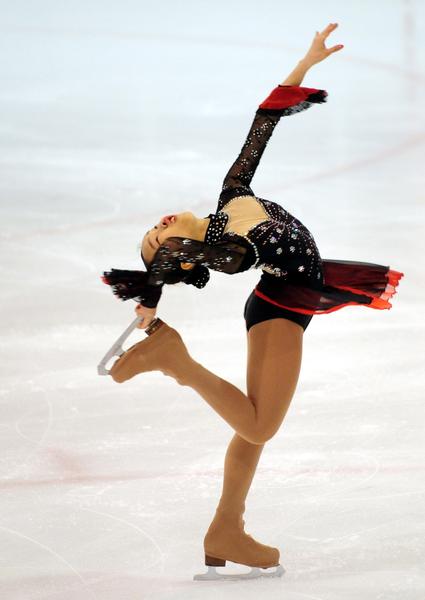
{"x":294,"y":275}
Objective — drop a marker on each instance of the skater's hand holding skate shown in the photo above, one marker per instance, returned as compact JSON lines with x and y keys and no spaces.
{"x":318,"y":51}
{"x":148,"y":315}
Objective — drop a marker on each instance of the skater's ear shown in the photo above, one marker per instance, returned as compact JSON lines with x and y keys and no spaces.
{"x":187,"y":266}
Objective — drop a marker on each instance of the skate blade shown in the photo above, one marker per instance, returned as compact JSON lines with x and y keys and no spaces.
{"x":254,"y":573}
{"x":117,"y":350}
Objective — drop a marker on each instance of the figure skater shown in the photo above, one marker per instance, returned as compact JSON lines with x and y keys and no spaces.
{"x":296,"y":283}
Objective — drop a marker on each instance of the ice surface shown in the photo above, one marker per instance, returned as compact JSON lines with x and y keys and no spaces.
{"x":114,"y":114}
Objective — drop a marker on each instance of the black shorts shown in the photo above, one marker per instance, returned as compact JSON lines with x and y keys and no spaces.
{"x":257,"y":310}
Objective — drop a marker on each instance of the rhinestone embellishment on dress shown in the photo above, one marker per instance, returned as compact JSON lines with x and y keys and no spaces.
{"x":275,"y":232}
{"x":216,"y":227}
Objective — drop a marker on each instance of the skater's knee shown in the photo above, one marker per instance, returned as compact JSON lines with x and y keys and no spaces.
{"x":262,"y":435}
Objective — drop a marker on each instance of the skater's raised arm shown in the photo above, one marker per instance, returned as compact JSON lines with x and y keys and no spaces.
{"x":286,"y":99}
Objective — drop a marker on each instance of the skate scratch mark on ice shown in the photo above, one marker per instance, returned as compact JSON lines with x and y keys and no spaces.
{"x":51,"y":551}
{"x":38,"y":443}
{"x":318,"y":498}
{"x":358,"y":483}
{"x":360,"y":531}
{"x":64,"y":257}
{"x":376,"y":468}
{"x":161,"y":558}
{"x":296,"y":594}
{"x":289,"y":482}
{"x":410,"y":493}
{"x":278,"y":505}
{"x":24,"y":416}
{"x":355,"y":164}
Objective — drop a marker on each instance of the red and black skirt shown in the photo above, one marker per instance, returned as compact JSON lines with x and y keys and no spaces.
{"x":345,"y":283}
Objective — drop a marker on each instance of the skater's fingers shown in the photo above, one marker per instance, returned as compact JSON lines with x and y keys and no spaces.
{"x":147,"y":314}
{"x":144,"y":310}
{"x":327,"y":30}
{"x":335,"y":48}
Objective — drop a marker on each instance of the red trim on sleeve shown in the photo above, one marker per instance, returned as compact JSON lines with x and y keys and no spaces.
{"x":284,"y":96}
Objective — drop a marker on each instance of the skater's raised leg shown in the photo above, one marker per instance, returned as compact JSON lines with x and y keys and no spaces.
{"x":274,"y":362}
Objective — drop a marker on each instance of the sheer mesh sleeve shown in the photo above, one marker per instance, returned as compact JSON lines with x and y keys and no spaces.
{"x":284,"y":100}
{"x":238,"y":179}
{"x":225,"y":256}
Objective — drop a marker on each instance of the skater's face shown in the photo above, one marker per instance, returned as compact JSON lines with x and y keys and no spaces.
{"x":170,"y":225}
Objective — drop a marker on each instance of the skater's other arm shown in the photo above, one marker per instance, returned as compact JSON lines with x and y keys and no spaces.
{"x":186,"y":260}
{"x":148,"y":315}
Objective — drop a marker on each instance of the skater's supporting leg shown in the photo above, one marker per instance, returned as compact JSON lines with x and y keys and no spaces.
{"x":225,"y":536}
{"x":239,"y":468}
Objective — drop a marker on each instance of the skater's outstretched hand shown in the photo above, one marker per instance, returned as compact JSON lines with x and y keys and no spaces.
{"x":148,"y":315}
{"x":318,"y":51}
